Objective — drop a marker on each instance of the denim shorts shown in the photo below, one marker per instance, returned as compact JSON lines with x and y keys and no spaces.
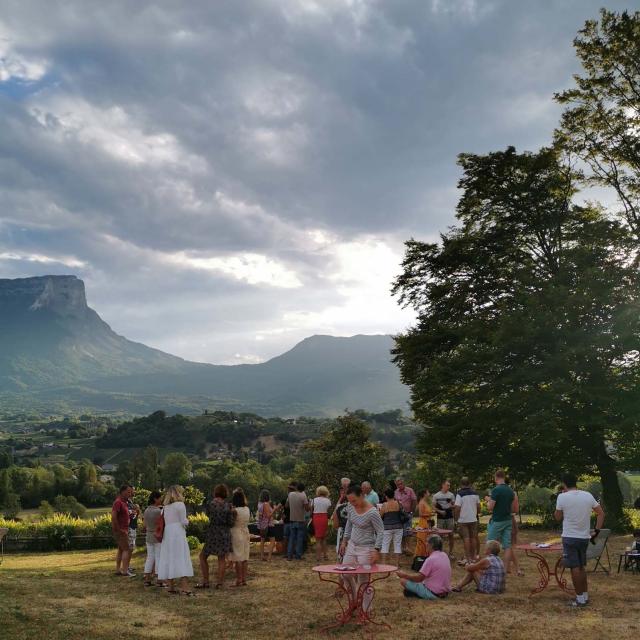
{"x":420,"y":590}
{"x":574,"y":552}
{"x":500,"y":531}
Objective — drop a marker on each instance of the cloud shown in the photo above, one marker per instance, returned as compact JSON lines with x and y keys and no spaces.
{"x":229,"y":178}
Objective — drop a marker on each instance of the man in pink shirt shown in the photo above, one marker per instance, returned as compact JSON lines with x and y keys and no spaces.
{"x":434,"y":578}
{"x":407,"y":498}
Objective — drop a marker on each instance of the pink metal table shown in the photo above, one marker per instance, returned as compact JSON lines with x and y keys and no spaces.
{"x":536,"y":551}
{"x":354,"y":601}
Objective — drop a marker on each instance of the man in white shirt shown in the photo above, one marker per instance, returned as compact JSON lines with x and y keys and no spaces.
{"x":467,"y":510}
{"x":574,"y":509}
{"x":443,"y":503}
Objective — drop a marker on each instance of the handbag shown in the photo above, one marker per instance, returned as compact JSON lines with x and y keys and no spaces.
{"x":404,"y":516}
{"x":159,"y":531}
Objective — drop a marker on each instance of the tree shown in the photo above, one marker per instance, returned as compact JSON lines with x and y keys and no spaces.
{"x":345,"y":450}
{"x":601,"y":121}
{"x":525,"y":351}
{"x":12,"y":506}
{"x":46,"y":510}
{"x":176,"y":469}
{"x":69,"y":505}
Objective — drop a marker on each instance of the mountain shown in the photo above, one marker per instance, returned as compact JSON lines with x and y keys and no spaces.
{"x":53,"y":348}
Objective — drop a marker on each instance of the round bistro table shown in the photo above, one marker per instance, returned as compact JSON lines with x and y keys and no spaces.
{"x":354,"y":601}
{"x":538,"y":553}
{"x":439,"y":532}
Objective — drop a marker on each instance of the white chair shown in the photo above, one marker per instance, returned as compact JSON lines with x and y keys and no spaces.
{"x":598,"y":550}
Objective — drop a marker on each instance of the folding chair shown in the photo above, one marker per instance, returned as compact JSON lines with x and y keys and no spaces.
{"x":3,"y":533}
{"x":598,"y":550}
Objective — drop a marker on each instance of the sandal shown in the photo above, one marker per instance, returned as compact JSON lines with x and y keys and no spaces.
{"x":202,"y":585}
{"x":218,"y":585}
{"x":189,"y":594}
{"x":147,"y":583}
{"x":521,"y":573}
{"x":456,"y":589}
{"x":173,"y":592}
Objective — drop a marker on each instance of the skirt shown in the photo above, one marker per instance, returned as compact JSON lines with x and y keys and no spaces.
{"x":320,"y":525}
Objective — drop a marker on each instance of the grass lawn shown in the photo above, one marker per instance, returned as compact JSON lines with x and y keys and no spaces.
{"x":74,"y":595}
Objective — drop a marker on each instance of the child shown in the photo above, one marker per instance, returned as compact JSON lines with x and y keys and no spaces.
{"x":150,"y":517}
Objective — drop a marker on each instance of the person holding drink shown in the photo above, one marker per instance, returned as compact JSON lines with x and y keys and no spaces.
{"x":443,"y":502}
{"x":362,"y":539}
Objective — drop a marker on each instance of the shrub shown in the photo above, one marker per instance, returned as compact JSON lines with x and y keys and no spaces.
{"x":193,"y":542}
{"x":197,"y":527}
{"x":46,"y":510}
{"x":70,"y":506}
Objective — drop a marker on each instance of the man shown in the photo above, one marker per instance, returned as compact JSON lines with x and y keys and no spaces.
{"x":466,"y":511}
{"x":120,"y":528}
{"x":298,"y":504}
{"x":407,"y":498}
{"x":369,"y":494}
{"x":573,"y":508}
{"x":443,"y":503}
{"x":489,"y":573}
{"x":501,"y":503}
{"x":434,"y":578}
{"x":345,"y":483}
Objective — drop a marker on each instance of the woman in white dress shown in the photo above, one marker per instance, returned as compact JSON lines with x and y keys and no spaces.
{"x":175,"y":558}
{"x":240,"y":536}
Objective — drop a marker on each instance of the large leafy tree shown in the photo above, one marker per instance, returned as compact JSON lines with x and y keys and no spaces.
{"x":601,"y":120}
{"x":344,"y":450}
{"x":525,"y":352}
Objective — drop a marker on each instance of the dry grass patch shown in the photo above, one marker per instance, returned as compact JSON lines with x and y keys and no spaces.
{"x":74,"y":595}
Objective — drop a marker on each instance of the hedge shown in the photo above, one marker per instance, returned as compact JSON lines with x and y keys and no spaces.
{"x":61,"y":532}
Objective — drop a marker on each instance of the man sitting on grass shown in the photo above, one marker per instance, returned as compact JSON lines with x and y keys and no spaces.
{"x":434,"y":578}
{"x":488,"y":573}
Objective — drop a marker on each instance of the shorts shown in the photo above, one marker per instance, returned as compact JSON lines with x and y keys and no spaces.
{"x":390,"y":535}
{"x":421,"y":591}
{"x":122,"y":540}
{"x":133,"y":533}
{"x":574,"y":552}
{"x":500,"y":531}
{"x":268,"y":533}
{"x":446,"y":523}
{"x":468,"y":530}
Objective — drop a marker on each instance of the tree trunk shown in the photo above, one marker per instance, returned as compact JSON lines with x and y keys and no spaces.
{"x":612,"y":500}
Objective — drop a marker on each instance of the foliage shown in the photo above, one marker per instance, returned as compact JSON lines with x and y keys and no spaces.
{"x":175,"y":469}
{"x":69,"y":506}
{"x":12,"y":506}
{"x":346,"y":449}
{"x":524,"y":355}
{"x":601,"y":120}
{"x":193,"y":542}
{"x":45,"y":509}
{"x":193,"y":497}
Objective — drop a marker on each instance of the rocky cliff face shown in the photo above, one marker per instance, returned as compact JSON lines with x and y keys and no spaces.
{"x":63,"y":295}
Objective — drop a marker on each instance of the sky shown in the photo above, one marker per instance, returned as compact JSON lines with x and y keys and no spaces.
{"x":229,"y":178}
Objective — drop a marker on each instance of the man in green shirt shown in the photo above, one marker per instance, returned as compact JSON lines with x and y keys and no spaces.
{"x":501,"y":504}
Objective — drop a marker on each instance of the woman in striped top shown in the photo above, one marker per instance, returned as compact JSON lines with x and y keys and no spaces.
{"x":362,"y":538}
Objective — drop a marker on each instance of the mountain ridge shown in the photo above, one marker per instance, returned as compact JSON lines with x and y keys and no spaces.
{"x":53,"y":344}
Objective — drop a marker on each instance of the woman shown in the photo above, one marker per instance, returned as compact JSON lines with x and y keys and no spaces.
{"x":339,"y":521}
{"x":362,"y":539}
{"x":175,"y":559}
{"x":320,"y":515}
{"x":393,"y":526}
{"x":425,"y":521}
{"x":266,"y":525}
{"x":218,"y":543}
{"x":240,"y":536}
{"x":150,"y":519}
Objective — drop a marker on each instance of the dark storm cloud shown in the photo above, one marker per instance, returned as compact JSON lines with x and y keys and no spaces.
{"x":211,"y":169}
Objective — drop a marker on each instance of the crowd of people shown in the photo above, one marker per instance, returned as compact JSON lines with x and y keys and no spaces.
{"x":369,"y":526}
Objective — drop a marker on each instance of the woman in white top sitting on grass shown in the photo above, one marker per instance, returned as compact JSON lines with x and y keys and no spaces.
{"x":175,"y":557}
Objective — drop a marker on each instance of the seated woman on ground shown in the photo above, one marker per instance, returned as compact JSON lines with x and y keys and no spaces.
{"x":488,"y":573}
